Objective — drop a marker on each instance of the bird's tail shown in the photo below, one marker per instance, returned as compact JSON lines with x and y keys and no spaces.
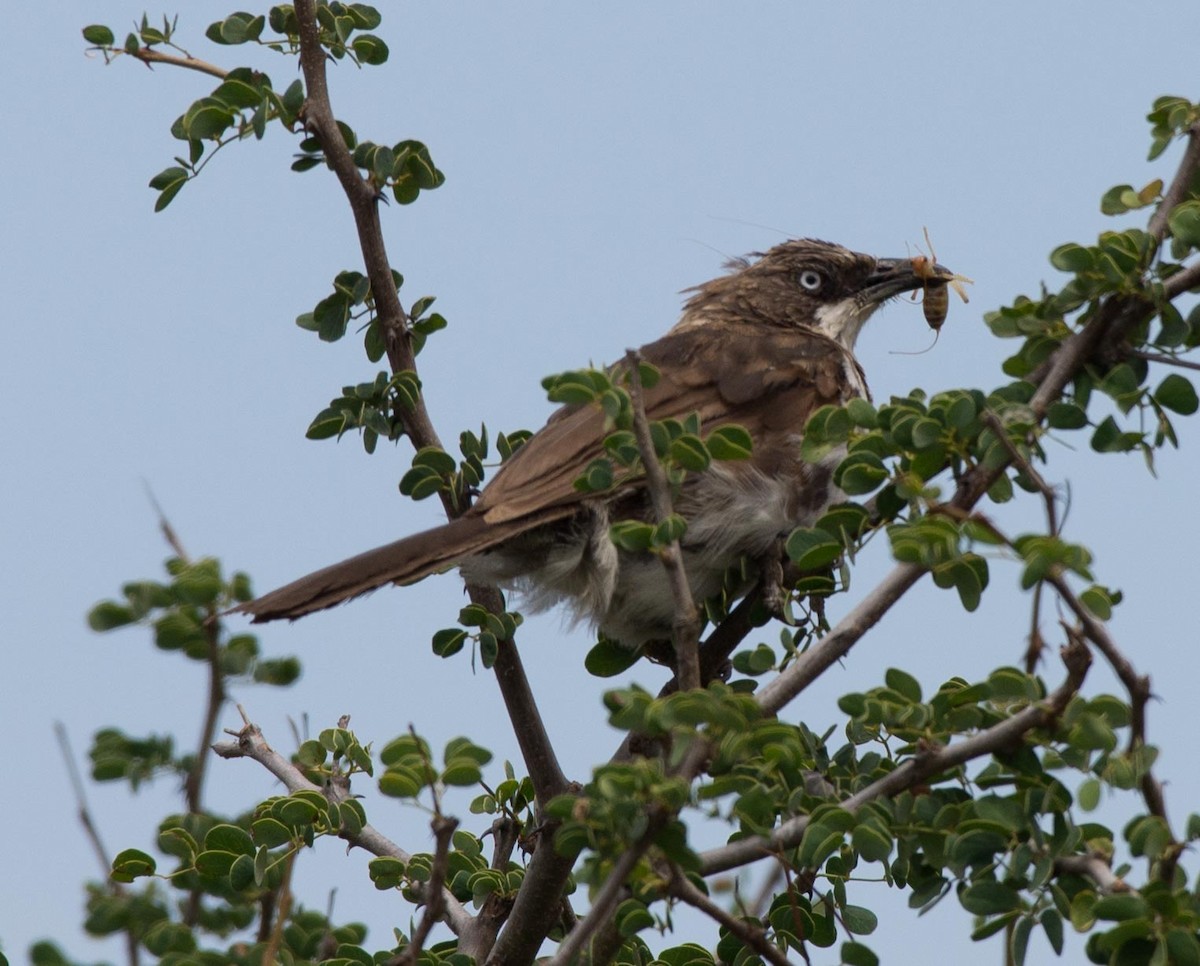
{"x":402,"y":562}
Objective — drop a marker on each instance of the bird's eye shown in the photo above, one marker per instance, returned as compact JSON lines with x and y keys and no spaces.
{"x":810,"y":280}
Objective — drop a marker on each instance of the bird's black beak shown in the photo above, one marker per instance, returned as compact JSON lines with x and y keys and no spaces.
{"x":892,"y":276}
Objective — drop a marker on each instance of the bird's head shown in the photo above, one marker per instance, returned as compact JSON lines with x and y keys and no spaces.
{"x":810,"y":283}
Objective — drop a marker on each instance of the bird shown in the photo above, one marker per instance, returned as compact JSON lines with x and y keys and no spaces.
{"x":762,"y":346}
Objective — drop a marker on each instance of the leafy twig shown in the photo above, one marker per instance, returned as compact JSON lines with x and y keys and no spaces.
{"x":751,"y":935}
{"x":250,"y":743}
{"x":687,"y":617}
{"x":92,"y":832}
{"x":1138,"y":687}
{"x":915,"y":770}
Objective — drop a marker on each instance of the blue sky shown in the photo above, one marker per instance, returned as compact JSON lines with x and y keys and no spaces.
{"x":599,"y":159}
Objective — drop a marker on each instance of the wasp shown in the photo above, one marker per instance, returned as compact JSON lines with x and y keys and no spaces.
{"x":935,"y":295}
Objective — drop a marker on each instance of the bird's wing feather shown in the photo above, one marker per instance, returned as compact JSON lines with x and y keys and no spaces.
{"x":767,"y":380}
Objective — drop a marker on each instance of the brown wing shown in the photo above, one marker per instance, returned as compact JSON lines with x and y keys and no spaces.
{"x":767,"y":380}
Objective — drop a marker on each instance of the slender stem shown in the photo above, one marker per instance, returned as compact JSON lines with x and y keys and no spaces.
{"x":93,"y":832}
{"x":687,"y":617}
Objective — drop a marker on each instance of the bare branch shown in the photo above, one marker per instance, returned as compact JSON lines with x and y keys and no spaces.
{"x":837,"y":643}
{"x":1165,"y":359}
{"x":915,"y":770}
{"x":149,"y":56}
{"x":1095,"y":867}
{"x":1182,"y":281}
{"x":687,"y":617}
{"x":753,"y":936}
{"x":275,"y":941}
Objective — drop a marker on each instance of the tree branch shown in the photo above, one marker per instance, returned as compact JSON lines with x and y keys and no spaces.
{"x":1138,"y":686}
{"x":149,"y":56}
{"x":364,"y":203}
{"x":915,"y":770}
{"x":837,"y":643}
{"x":251,"y":744}
{"x":1180,"y":184}
{"x":686,"y":630}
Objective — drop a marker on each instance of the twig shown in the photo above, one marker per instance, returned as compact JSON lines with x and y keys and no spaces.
{"x":1025,"y":466}
{"x":1165,"y":359}
{"x":443,"y":831}
{"x":149,"y":56}
{"x":193,"y":785}
{"x":537,"y":752}
{"x":687,"y":617}
{"x":1182,"y":281}
{"x":837,"y":643}
{"x":1095,"y":867}
{"x":92,"y":832}
{"x":753,"y":936}
{"x":605,"y":903}
{"x":1138,"y":686}
{"x":251,"y":744}
{"x":915,"y":770}
{"x":364,"y":204}
{"x":275,"y":941}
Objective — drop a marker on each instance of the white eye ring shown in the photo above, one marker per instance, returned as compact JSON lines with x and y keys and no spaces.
{"x":811,"y":280}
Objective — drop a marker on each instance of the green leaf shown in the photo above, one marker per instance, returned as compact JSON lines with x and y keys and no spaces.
{"x":812,"y":549}
{"x":108,"y":615}
{"x":903,"y":683}
{"x":632,"y":535}
{"x":229,"y":838}
{"x":987,"y":898}
{"x":690,"y":453}
{"x":1177,"y":394}
{"x":1184,"y":222}
{"x":131,"y":863}
{"x":99,"y":35}
{"x":856,"y":954}
{"x":370,"y":49}
{"x":1066,"y":415}
{"x":859,"y":920}
{"x":1119,"y":908}
{"x":860,"y":473}
{"x":730,"y":443}
{"x":872,"y":843}
{"x":448,"y":641}
{"x":608,"y":658}
{"x":1072,"y":258}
